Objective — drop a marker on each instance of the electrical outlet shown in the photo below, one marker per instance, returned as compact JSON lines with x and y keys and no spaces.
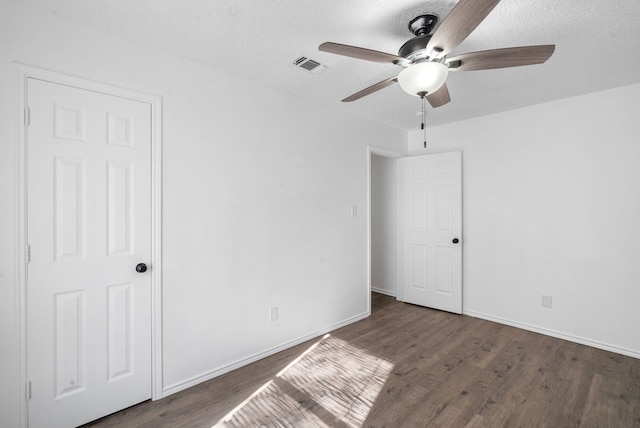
{"x":547,"y":301}
{"x":273,"y":313}
{"x":354,"y":211}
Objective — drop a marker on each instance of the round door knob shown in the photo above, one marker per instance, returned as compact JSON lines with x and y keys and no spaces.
{"x":455,"y":240}
{"x":141,"y":267}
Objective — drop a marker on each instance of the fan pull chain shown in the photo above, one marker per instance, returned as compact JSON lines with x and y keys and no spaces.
{"x":424,"y":121}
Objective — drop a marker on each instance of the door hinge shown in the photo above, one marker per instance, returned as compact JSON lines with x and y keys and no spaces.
{"x":27,"y":116}
{"x":27,"y":254}
{"x":28,"y":390}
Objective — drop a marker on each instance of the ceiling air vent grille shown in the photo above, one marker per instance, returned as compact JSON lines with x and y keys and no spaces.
{"x":308,"y":64}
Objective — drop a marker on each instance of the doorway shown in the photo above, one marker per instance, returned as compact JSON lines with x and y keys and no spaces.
{"x":414,"y":235}
{"x":382,"y":222}
{"x":383,"y":206}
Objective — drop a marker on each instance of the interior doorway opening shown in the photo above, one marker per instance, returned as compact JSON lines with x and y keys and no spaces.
{"x":383,"y":222}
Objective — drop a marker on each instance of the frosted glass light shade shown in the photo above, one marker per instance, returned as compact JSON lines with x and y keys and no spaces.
{"x":424,"y":77}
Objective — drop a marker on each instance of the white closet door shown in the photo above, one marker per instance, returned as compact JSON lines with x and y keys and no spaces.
{"x":89,"y":225}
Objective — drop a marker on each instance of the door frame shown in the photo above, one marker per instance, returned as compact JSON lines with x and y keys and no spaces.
{"x":388,"y":154}
{"x":22,"y":73}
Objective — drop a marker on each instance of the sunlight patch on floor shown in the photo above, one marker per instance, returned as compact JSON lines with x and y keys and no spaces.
{"x":332,"y":384}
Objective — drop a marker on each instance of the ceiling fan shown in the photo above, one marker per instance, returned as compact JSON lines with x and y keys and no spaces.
{"x":424,"y":57}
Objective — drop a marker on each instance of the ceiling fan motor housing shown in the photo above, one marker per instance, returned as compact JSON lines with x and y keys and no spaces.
{"x":416,"y":44}
{"x":421,"y":26}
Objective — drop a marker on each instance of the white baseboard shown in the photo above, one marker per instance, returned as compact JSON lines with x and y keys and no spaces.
{"x":176,"y":387}
{"x":381,"y":291}
{"x":553,"y":333}
{"x":172,"y":389}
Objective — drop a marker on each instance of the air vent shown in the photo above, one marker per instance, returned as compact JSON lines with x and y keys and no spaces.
{"x":309,"y":64}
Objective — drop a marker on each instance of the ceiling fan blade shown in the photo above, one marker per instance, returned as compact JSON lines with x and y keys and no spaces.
{"x":461,"y":21}
{"x":371,"y":89}
{"x":439,"y":97}
{"x":501,"y":58}
{"x":361,"y":53}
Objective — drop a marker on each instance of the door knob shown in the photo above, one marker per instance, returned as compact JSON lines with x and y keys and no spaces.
{"x":455,"y":240}
{"x":141,"y":267}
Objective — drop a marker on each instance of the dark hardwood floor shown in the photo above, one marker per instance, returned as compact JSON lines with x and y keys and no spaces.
{"x":408,"y":366}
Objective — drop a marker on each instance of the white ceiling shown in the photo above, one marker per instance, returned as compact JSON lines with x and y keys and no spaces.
{"x":597,"y":47}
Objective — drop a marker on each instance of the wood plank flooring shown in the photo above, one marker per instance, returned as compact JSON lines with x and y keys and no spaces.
{"x":432,"y":369}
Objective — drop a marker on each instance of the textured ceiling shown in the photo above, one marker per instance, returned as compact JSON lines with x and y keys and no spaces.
{"x":597,"y":47}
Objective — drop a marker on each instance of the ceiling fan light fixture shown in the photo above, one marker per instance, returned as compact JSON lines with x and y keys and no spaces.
{"x":423,"y":78}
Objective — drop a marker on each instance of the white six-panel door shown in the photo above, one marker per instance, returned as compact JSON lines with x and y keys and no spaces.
{"x":89,"y":208}
{"x":431,"y":226}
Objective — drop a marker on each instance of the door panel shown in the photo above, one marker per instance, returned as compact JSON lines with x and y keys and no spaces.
{"x":89,"y":224}
{"x":432,"y":207}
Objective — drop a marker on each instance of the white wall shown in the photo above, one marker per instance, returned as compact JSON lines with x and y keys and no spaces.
{"x":384,"y":224}
{"x":551,"y":205}
{"x":257,"y":200}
